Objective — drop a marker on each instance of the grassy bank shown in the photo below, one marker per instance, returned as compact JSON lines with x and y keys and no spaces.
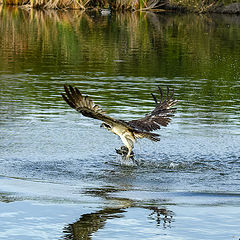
{"x":85,"y":4}
{"x":220,"y":6}
{"x":224,"y":6}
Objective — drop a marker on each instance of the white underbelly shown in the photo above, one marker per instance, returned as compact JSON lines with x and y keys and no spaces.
{"x":127,"y":137}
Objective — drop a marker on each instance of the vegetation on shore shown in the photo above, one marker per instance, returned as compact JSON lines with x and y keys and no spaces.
{"x":228,"y":6}
{"x":204,"y":39}
{"x":221,"y":6}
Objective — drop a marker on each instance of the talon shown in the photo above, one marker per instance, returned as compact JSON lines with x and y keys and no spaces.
{"x":119,"y":151}
{"x":124,"y":148}
{"x":122,"y":151}
{"x":129,"y":156}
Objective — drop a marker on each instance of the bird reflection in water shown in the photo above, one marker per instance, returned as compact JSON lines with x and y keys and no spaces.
{"x":90,"y":223}
{"x":161,"y":215}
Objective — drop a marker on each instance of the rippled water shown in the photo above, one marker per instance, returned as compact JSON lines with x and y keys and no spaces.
{"x":59,"y":173}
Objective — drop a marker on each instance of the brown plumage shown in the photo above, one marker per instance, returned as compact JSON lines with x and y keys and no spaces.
{"x":128,"y":131}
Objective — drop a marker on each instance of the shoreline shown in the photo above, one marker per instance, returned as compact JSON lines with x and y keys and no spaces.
{"x":232,"y":8}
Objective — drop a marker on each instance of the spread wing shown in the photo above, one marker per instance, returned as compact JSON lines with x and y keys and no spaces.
{"x":85,"y":105}
{"x":160,"y":116}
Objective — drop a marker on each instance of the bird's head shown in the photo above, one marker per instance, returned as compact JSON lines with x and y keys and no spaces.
{"x":107,"y":126}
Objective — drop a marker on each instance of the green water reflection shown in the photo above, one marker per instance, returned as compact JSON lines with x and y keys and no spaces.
{"x":135,"y":44}
{"x":198,"y":55}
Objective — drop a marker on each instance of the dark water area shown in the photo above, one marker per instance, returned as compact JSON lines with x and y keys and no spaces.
{"x":60,"y":177}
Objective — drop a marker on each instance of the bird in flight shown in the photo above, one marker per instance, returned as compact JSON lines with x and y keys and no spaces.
{"x":128,"y":131}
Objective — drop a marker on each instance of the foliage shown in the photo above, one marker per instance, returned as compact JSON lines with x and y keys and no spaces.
{"x":196,"y":5}
{"x":132,"y":5}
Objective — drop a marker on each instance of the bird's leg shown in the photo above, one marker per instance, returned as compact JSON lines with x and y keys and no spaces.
{"x":130,"y":153}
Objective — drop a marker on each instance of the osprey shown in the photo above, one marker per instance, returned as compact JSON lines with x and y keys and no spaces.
{"x":128,"y":131}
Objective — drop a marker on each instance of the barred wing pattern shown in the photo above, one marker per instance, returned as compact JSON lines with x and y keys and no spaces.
{"x":84,"y":105}
{"x":160,"y":116}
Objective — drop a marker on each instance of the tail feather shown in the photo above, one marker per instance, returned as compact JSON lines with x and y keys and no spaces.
{"x":152,"y":136}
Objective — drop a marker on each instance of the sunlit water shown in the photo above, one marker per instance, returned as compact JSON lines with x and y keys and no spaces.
{"x":59,"y":173}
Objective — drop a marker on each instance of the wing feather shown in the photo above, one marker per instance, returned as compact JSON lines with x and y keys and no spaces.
{"x":85,"y":106}
{"x":161,"y":114}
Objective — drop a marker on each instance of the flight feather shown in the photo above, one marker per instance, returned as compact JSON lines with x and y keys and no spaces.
{"x":84,"y":105}
{"x":160,"y":116}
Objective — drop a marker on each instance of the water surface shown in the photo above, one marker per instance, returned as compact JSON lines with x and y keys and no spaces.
{"x":60,"y":176}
